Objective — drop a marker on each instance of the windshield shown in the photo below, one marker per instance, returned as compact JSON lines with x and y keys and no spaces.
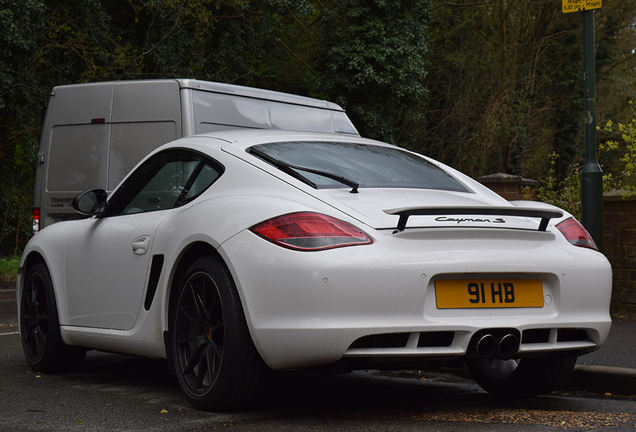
{"x":370,"y":166}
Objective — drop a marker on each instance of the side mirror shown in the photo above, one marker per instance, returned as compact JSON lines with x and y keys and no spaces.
{"x":91,"y":202}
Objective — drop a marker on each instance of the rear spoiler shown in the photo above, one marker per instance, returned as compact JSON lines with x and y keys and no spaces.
{"x":544,"y":214}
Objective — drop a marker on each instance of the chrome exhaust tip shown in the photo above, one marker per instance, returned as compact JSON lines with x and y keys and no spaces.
{"x":508,"y":346}
{"x":486,"y":346}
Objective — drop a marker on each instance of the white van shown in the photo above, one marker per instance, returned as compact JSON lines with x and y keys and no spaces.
{"x":95,"y":133}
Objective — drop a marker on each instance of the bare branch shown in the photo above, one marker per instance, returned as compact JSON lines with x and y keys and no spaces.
{"x":461,"y":4}
{"x":311,"y":40}
{"x":295,"y":55}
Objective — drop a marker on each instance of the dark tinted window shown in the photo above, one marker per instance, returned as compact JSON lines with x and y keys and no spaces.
{"x":167,"y":180}
{"x":368,"y":165}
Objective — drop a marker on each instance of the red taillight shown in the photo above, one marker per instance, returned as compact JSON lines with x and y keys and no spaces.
{"x":36,"y":220}
{"x":308,"y":231}
{"x":574,"y":232}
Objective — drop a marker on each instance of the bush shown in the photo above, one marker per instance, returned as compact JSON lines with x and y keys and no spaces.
{"x":9,"y":268}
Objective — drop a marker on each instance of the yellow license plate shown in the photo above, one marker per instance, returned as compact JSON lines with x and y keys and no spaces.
{"x":488,"y":293}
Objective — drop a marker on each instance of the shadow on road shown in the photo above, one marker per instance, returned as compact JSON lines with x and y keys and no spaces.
{"x":357,"y":401}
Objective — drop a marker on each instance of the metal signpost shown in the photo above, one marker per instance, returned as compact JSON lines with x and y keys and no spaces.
{"x":592,"y":175}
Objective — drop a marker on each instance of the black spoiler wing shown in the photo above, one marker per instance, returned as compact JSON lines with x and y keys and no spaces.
{"x":544,"y":214}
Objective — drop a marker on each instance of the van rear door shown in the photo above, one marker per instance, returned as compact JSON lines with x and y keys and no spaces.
{"x":98,"y":133}
{"x":75,"y":148}
{"x":146,"y":114}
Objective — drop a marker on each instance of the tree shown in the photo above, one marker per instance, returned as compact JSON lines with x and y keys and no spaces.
{"x":367,"y":55}
{"x":496,"y":65}
{"x":19,"y":21}
{"x":505,"y":87}
{"x":483,"y":85}
{"x":375,"y":64}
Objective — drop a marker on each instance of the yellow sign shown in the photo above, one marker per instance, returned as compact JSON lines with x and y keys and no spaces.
{"x":568,"y":6}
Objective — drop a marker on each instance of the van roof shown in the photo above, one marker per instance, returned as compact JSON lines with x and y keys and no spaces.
{"x":257,"y":93}
{"x":232,"y":89}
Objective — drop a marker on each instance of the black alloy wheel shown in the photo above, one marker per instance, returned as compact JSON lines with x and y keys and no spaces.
{"x":200,"y":333}
{"x":44,"y":349}
{"x":215,"y":360}
{"x":34,"y":318}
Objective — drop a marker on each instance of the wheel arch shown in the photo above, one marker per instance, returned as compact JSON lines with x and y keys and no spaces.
{"x":31,"y":259}
{"x":188,"y":256}
{"x":51,"y":354}
{"x":28,"y":262}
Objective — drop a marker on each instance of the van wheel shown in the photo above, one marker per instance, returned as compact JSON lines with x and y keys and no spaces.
{"x":40,"y":327}
{"x":215,"y":360}
{"x":522,"y":377}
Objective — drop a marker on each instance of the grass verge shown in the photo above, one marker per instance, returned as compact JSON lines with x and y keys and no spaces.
{"x":9,"y":268}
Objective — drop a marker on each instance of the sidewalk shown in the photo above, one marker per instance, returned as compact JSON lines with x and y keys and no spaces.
{"x":612,"y":368}
{"x":609,"y":370}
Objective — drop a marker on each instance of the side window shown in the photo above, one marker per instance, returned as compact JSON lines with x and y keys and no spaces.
{"x":205,"y":178}
{"x":167,"y":180}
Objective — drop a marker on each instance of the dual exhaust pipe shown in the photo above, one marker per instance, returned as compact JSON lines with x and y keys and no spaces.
{"x":495,"y":343}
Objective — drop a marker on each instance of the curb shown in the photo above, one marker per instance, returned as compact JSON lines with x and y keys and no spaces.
{"x":606,"y":380}
{"x":602,"y":379}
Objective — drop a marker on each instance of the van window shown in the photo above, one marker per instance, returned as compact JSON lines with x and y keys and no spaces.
{"x":342,"y":124}
{"x":212,"y":110}
{"x":296,"y":117}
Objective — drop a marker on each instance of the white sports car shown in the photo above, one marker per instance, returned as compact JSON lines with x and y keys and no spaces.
{"x":235,"y":252}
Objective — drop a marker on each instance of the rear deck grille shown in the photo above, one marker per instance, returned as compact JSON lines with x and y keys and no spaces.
{"x":572,"y":335}
{"x":436,"y":339}
{"x":388,"y":340}
{"x":400,"y":340}
{"x":535,"y":336}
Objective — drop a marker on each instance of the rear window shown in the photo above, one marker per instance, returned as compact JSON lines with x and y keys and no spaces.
{"x":370,"y":166}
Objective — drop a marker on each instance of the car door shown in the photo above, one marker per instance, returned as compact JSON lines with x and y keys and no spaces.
{"x":108,"y":258}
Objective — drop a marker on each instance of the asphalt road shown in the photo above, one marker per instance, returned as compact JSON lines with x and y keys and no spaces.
{"x":121,"y":393}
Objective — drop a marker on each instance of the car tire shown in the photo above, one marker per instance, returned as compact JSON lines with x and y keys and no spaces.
{"x":215,"y":360}
{"x":44,"y":349}
{"x":522,"y":377}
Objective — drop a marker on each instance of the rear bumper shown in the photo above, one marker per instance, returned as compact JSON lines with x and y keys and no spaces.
{"x":309,"y":309}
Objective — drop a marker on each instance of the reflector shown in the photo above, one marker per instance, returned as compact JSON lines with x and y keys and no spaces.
{"x":36,"y":220}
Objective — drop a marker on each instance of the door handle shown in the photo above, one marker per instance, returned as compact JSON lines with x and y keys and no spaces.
{"x":140,"y":245}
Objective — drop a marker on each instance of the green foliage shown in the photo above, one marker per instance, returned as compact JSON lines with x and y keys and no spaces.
{"x":485,"y":86}
{"x":504,"y":86}
{"x":375,"y":64}
{"x":369,"y":56}
{"x":9,"y":268}
{"x":565,"y":194}
{"x":625,"y":146}
{"x":19,"y":22}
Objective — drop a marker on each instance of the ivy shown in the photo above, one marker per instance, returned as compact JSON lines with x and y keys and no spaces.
{"x":381,"y":46}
